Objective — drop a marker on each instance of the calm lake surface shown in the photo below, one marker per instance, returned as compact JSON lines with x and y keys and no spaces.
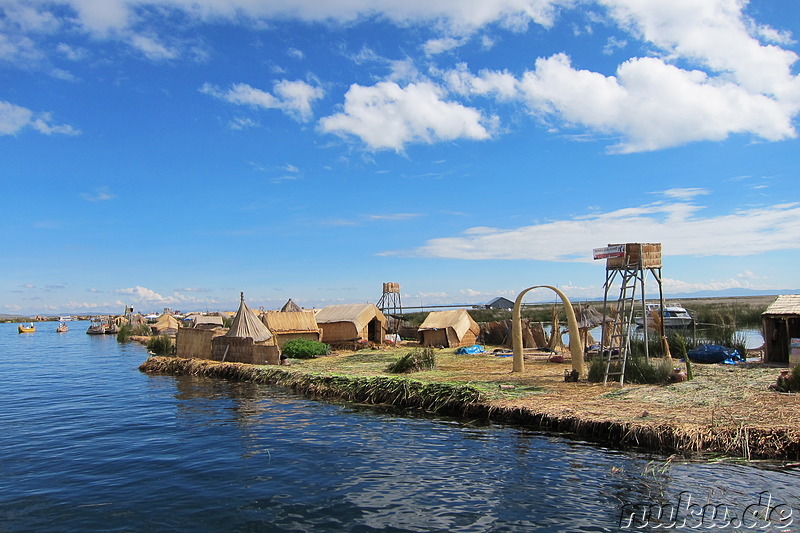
{"x":89,"y":443}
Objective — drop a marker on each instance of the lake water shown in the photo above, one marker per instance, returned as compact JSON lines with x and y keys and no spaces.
{"x":89,"y":443}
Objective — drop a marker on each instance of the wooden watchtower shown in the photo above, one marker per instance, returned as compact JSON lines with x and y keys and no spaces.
{"x":391,"y":306}
{"x":630,"y":263}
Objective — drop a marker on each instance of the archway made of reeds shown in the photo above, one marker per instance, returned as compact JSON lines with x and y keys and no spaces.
{"x":572,"y":324}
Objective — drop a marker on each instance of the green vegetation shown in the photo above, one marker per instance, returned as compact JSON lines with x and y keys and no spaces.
{"x":790,"y":382}
{"x":677,"y":346}
{"x":414,"y":361}
{"x":653,"y":371}
{"x":305,"y":349}
{"x":160,"y":345}
{"x":734,"y":315}
{"x":126,"y":331}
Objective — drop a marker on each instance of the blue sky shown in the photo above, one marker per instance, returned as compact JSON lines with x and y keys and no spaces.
{"x":173,"y":153}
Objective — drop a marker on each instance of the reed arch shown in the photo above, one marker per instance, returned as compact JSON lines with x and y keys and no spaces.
{"x":572,"y":325}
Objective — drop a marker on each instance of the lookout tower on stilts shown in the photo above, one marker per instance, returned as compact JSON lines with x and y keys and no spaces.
{"x":391,"y":306}
{"x":629,"y":264}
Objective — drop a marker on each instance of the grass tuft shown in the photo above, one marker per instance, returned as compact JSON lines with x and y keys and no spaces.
{"x":414,"y":361}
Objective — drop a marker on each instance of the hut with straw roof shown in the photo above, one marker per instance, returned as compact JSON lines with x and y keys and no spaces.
{"x":247,"y":341}
{"x":352,"y":323}
{"x":291,"y":307}
{"x":781,"y":322}
{"x":450,"y":329}
{"x":588,"y":318}
{"x":166,"y":325}
{"x":290,"y":325}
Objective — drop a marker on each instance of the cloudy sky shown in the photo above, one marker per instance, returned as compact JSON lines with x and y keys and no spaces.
{"x":171,"y":153}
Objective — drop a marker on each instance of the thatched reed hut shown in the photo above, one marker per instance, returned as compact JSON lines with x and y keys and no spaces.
{"x":166,"y":325}
{"x":247,"y":341}
{"x":781,"y":323}
{"x":291,"y":307}
{"x":450,"y":329}
{"x":352,"y":323}
{"x":290,"y":325}
{"x":203,"y":321}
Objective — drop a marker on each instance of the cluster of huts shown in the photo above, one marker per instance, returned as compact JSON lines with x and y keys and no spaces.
{"x":257,"y":337}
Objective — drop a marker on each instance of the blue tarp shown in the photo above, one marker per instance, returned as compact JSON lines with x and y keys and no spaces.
{"x":714,"y":353}
{"x":475,"y":348}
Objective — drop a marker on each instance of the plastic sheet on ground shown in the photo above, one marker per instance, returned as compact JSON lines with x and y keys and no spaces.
{"x":475,"y":348}
{"x":714,"y":353}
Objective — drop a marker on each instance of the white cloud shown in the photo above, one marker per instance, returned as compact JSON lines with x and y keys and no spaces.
{"x":684,"y":193}
{"x":143,"y":294}
{"x":14,"y":119}
{"x":109,"y":16}
{"x":291,"y":97}
{"x":388,"y":116}
{"x":651,"y":104}
{"x":501,"y":85}
{"x":676,"y":225}
{"x":73,"y":53}
{"x":714,"y":33}
{"x":100,"y":195}
{"x":444,"y":44}
{"x":152,"y":48}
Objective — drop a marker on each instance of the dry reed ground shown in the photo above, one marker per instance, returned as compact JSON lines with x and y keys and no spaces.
{"x":726,"y":408}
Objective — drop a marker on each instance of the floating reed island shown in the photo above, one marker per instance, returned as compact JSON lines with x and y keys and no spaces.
{"x":726,"y":410}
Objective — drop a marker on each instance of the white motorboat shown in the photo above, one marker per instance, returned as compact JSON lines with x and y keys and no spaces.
{"x":675,"y":316}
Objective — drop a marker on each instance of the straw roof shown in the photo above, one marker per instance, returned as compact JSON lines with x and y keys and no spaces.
{"x":786,"y":304}
{"x":246,"y":324}
{"x":165,"y":322}
{"x":459,"y":320}
{"x":290,"y":306}
{"x":358,"y":314}
{"x":290,"y":322}
{"x":589,"y":317}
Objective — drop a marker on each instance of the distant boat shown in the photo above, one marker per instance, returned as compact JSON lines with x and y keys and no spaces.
{"x":65,"y":319}
{"x":97,"y":327}
{"x":62,"y":328}
{"x":26,"y":328}
{"x":674,"y":316}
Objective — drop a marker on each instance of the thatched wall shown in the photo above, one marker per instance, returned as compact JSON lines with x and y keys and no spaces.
{"x":339,"y":332}
{"x":196,"y":343}
{"x":498,"y":333}
{"x":434,"y":337}
{"x":243,"y":350}
{"x":334,"y":332}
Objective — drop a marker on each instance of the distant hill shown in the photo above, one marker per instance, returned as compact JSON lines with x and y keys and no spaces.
{"x":730,"y":293}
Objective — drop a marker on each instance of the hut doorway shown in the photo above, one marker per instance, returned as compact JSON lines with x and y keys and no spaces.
{"x":374,"y":331}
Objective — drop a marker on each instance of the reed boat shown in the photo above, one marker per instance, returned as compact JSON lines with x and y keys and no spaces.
{"x":26,"y":328}
{"x":97,"y":327}
{"x":62,"y":328}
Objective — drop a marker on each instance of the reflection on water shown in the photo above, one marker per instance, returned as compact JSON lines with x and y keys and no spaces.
{"x":91,"y":444}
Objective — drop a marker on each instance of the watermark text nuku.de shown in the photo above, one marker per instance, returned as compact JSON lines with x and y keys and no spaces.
{"x":686,"y":512}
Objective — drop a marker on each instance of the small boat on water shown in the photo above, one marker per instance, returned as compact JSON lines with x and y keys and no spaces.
{"x":675,"y":316}
{"x":26,"y":328}
{"x":62,"y":328}
{"x":65,"y":319}
{"x":97,"y":327}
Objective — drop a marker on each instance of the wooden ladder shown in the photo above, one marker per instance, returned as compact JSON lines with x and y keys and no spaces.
{"x":616,"y":353}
